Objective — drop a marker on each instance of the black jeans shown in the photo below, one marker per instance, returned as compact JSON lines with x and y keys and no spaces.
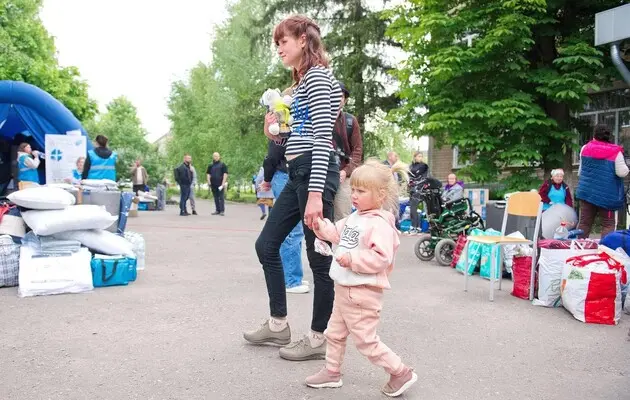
{"x":288,"y":211}
{"x":413,"y":208}
{"x":137,"y":188}
{"x":219,"y":199}
{"x":184,"y":191}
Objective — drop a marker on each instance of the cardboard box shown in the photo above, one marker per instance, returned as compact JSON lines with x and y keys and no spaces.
{"x":478,"y":197}
{"x":481,"y":210}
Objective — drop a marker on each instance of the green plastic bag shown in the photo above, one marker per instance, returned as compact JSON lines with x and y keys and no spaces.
{"x":486,"y":257}
{"x":470,"y":256}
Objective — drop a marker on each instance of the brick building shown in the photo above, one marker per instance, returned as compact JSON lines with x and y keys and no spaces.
{"x":611,"y":107}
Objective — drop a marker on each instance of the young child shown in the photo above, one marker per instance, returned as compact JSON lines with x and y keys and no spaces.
{"x":264,"y":198}
{"x":367,"y":242}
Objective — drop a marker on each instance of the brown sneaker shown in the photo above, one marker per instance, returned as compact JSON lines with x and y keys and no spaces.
{"x":302,"y":351}
{"x":324,"y":379}
{"x":264,"y":335}
{"x":398,"y":384}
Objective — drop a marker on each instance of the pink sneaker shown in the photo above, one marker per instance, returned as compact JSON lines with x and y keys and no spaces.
{"x":324,"y":379}
{"x":398,"y":384}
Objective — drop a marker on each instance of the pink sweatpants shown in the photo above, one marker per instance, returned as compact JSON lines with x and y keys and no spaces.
{"x":357,"y":312}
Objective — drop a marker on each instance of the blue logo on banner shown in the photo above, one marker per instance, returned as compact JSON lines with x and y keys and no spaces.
{"x":56,"y":155}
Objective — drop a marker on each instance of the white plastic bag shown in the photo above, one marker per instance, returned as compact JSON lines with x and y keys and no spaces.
{"x":139,"y":248}
{"x":44,"y":275}
{"x":101,"y":241}
{"x":550,"y":265}
{"x":73,"y":218}
{"x":510,"y":250}
{"x":42,"y":198}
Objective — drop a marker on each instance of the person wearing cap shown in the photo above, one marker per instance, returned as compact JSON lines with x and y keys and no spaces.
{"x":555,"y":190}
{"x":348,"y":145}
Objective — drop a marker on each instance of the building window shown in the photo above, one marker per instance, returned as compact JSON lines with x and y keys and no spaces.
{"x":457,"y":162}
{"x":611,"y":108}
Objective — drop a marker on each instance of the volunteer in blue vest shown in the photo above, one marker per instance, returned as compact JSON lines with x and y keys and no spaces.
{"x":100,"y":162}
{"x":555,"y":191}
{"x":600,"y":189}
{"x":28,"y":162}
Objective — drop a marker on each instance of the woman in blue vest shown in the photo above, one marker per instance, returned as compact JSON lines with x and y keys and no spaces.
{"x":600,"y":190}
{"x":28,"y":162}
{"x":555,"y":191}
{"x":100,"y":162}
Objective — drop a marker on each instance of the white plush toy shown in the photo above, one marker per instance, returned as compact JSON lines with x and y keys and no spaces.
{"x":281,"y":106}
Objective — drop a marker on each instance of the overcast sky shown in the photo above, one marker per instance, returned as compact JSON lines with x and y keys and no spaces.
{"x":135,"y":48}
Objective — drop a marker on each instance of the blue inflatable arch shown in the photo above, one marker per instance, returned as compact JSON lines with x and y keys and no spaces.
{"x":27,"y":108}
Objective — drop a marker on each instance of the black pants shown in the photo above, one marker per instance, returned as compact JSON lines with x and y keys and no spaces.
{"x":137,"y":188}
{"x":219,"y":199}
{"x":288,"y":211}
{"x":184,"y":191}
{"x":413,"y":208}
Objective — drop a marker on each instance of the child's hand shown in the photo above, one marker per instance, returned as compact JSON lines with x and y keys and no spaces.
{"x":345,"y":260}
{"x":265,"y":186}
{"x":318,"y":224}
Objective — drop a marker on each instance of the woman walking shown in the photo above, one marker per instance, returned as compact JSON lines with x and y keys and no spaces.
{"x":310,"y":192}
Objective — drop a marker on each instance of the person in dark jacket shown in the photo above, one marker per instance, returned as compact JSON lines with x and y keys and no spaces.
{"x":555,"y":191}
{"x":418,"y":170}
{"x":184,"y":178}
{"x":348,"y":145}
{"x":100,"y":162}
{"x":217,"y":175}
{"x":600,"y":188}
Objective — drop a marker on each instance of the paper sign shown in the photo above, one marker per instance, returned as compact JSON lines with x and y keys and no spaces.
{"x":62,"y":153}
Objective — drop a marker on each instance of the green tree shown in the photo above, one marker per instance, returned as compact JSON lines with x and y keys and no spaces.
{"x":499,"y":79}
{"x":126,"y":137}
{"x":27,"y":53}
{"x":355,"y":38}
{"x":217,"y":108}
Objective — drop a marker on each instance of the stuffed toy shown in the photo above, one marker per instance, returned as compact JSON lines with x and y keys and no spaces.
{"x":280,"y":105}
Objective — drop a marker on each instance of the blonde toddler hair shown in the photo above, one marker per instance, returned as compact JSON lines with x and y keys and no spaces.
{"x":378,"y":177}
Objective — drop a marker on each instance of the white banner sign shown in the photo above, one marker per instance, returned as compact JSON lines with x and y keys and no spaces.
{"x":62,"y":153}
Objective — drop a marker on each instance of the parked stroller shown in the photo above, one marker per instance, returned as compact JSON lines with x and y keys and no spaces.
{"x":446,"y":221}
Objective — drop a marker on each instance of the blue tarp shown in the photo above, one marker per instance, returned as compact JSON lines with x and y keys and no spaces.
{"x":24,"y":107}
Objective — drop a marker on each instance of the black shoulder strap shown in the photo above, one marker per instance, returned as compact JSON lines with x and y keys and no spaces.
{"x":349,"y":126}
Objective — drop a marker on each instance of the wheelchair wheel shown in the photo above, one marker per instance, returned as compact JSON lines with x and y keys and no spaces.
{"x":444,"y":252}
{"x":423,"y":248}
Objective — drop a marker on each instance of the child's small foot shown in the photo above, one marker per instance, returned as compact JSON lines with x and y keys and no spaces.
{"x":398,"y":384}
{"x":324,"y":379}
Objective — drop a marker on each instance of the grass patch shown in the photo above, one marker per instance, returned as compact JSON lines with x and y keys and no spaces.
{"x":231,"y":195}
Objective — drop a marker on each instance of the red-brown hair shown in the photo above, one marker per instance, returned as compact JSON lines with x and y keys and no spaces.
{"x":313,"y":53}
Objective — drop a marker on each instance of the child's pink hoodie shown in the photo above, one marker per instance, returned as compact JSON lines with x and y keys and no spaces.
{"x":371,"y":239}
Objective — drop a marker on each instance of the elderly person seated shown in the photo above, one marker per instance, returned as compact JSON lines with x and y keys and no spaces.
{"x":453,"y":190}
{"x":555,"y":191}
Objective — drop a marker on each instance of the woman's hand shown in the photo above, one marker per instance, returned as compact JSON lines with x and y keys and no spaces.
{"x":314,"y":209}
{"x":270,"y":118}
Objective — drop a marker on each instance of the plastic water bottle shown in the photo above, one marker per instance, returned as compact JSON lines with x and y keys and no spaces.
{"x":561,"y":232}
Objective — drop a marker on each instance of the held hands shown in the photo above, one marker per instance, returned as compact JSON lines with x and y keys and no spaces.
{"x":345,"y":260}
{"x":314,"y":209}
